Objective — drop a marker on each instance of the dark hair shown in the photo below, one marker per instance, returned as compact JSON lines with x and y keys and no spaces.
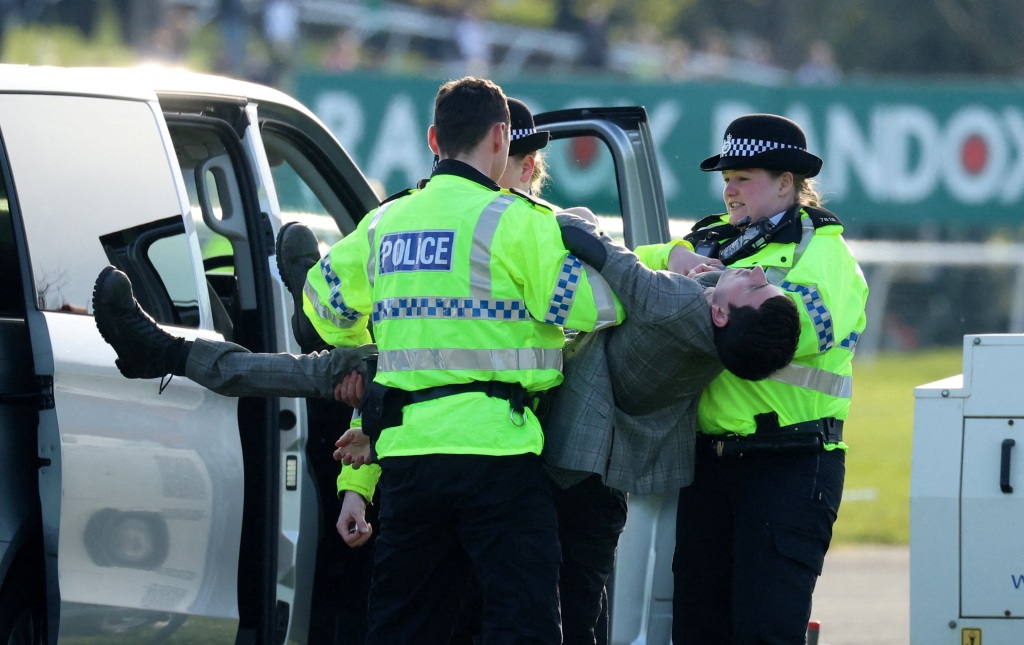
{"x":464,"y":110}
{"x":755,"y":343}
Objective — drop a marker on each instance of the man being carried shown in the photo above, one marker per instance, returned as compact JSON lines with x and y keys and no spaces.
{"x":623,"y":421}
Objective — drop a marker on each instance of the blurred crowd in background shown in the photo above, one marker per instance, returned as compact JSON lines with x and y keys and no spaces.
{"x":756,"y":41}
{"x":266,"y":40}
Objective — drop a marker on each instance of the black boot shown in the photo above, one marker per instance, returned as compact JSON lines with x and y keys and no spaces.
{"x":297,"y":251}
{"x":143,"y":349}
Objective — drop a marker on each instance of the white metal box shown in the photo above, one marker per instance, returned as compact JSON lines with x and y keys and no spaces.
{"x":967,"y":500}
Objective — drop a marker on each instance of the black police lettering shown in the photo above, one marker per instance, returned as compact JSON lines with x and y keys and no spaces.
{"x":416,"y":251}
{"x":585,"y":246}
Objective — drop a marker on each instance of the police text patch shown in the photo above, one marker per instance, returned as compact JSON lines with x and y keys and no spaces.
{"x":416,"y":251}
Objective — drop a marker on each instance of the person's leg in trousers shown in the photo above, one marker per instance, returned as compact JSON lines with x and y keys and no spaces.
{"x":419,"y":568}
{"x":785,"y":507}
{"x":591,"y":517}
{"x":702,"y":564}
{"x":510,"y":531}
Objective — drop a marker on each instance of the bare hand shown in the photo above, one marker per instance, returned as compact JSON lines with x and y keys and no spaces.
{"x":350,"y":390}
{"x":702,"y":268}
{"x":683,"y":260}
{"x":352,"y":525}
{"x":353,"y":448}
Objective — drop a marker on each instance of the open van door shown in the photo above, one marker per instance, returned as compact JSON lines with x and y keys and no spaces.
{"x":613,"y":148}
{"x":129,"y":501}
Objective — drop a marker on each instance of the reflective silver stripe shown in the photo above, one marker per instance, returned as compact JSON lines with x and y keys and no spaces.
{"x":530,"y":358}
{"x":337,"y":313}
{"x":371,"y":262}
{"x":483,"y":237}
{"x":777,"y":275}
{"x":810,"y":378}
{"x":604,"y":298}
{"x":565,"y":291}
{"x":463,"y":308}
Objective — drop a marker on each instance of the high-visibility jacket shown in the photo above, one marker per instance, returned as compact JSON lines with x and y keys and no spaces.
{"x":463,"y":282}
{"x":813,"y":265}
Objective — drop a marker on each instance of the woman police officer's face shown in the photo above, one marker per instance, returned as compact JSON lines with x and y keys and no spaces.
{"x":518,"y":172}
{"x":756,"y":193}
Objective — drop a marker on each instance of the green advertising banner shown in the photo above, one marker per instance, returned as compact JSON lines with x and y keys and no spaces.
{"x":896,"y":156}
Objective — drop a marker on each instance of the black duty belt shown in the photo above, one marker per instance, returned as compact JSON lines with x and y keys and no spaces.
{"x":381,"y":405}
{"x":771,"y":438}
{"x":514,"y":393}
{"x":830,"y":429}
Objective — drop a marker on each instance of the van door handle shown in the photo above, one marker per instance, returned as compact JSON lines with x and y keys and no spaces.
{"x":1004,"y":466}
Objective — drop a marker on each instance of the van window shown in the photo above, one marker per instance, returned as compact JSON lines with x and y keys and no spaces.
{"x":92,"y":169}
{"x":303,"y":192}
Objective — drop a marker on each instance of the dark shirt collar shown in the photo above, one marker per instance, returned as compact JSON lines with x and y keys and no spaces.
{"x":464,"y":170}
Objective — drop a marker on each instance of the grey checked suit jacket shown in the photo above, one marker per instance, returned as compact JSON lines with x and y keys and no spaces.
{"x":627,"y":409}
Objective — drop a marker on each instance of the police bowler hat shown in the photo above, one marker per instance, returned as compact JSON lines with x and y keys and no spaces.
{"x":524,"y":137}
{"x":764,"y":141}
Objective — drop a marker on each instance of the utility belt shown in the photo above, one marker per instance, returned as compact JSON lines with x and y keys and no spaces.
{"x":770,"y":438}
{"x":381,"y":406}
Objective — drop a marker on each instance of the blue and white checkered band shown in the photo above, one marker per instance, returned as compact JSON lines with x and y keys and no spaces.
{"x":565,"y":291}
{"x":522,"y":133}
{"x":750,"y":147}
{"x":462,"y":308}
{"x":819,"y":313}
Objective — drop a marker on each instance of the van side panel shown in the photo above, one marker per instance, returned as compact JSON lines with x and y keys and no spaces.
{"x":141,"y":492}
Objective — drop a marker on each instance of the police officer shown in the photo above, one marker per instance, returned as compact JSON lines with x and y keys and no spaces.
{"x":468,"y":286}
{"x":753,"y":528}
{"x":525,"y":171}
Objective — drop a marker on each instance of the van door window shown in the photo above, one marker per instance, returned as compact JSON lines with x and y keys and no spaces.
{"x":303,"y":191}
{"x":582,"y":173}
{"x":86,"y":168}
{"x":218,"y":183}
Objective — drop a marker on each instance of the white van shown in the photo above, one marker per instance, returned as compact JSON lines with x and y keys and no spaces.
{"x":131,"y":515}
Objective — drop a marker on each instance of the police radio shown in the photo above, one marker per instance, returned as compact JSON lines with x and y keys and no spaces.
{"x":753,"y":238}
{"x":709,"y":245}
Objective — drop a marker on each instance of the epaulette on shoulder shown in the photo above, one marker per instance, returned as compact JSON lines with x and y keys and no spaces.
{"x":533,"y":199}
{"x":821,"y":217}
{"x":401,"y":193}
{"x":710,"y":220}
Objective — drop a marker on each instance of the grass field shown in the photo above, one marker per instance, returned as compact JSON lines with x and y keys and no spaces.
{"x":876,"y":500}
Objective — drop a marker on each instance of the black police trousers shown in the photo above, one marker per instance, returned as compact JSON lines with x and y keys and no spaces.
{"x":438,"y":512}
{"x":751,"y":537}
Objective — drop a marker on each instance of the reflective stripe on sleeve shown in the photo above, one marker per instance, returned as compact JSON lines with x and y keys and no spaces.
{"x":604,"y":298}
{"x":810,"y":378}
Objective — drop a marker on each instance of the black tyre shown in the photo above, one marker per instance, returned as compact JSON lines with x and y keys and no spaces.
{"x":23,"y":604}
